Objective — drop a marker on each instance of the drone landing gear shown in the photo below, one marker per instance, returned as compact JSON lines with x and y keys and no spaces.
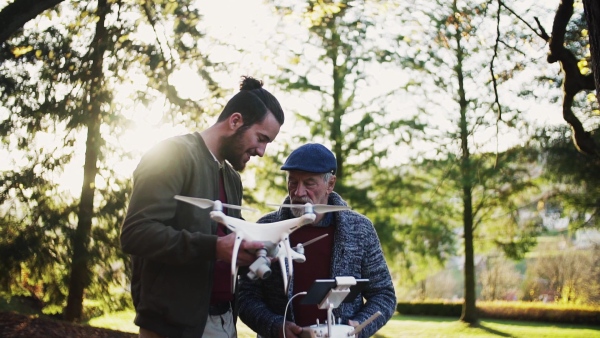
{"x":342,"y":289}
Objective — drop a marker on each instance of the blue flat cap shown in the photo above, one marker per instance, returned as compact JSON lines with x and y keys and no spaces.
{"x":311,"y":157}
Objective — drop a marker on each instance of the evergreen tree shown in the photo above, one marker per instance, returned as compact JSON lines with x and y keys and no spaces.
{"x":340,"y":39}
{"x":460,"y":60}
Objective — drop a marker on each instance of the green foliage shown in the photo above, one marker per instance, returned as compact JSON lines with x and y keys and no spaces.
{"x":269,"y":182}
{"x":416,"y":208}
{"x":59,"y":78}
{"x":35,"y":230}
{"x":362,"y":128}
{"x":423,"y":215}
{"x":340,"y":34}
{"x":412,"y":217}
{"x":459,"y":61}
{"x":572,"y":176}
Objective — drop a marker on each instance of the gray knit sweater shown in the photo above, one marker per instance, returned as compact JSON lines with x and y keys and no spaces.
{"x":356,"y":252}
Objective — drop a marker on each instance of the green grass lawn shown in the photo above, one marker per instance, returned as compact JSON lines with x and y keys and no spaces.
{"x":122,"y":321}
{"x":415,"y":326}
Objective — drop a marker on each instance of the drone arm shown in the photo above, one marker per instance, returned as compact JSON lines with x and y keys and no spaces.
{"x":284,"y":275}
{"x":288,"y":249}
{"x":234,"y":268}
{"x":281,"y":253}
{"x":307,"y":219}
{"x":298,"y":257}
{"x":220,"y":217}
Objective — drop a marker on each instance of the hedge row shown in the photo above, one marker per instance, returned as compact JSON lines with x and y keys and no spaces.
{"x":527,"y":311}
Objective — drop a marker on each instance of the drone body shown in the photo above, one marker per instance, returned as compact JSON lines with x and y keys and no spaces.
{"x":275,"y":236}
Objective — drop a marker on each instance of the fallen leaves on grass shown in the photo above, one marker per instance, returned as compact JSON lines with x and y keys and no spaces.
{"x":14,"y":325}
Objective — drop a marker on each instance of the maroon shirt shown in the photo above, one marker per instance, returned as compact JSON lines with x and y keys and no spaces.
{"x":317,"y":266}
{"x":221,"y":290}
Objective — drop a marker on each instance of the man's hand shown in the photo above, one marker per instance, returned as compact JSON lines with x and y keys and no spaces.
{"x":246,"y":253}
{"x":354,"y":324}
{"x":291,"y":330}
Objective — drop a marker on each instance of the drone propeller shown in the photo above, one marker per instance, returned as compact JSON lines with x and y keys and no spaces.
{"x":206,"y":203}
{"x":320,"y":208}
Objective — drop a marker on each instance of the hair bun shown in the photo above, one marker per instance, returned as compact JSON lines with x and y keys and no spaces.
{"x":250,"y":83}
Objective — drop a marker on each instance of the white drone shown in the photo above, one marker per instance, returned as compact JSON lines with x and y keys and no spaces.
{"x":275,"y":236}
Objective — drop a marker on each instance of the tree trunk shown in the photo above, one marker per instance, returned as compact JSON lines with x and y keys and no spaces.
{"x":338,"y":76}
{"x":574,"y":81}
{"x":469,"y":312}
{"x":592,"y":16}
{"x":80,"y":273}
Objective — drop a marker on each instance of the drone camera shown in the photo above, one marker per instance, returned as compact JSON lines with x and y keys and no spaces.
{"x":261,"y":268}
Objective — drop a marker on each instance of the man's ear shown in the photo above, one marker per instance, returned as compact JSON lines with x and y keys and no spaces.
{"x":235,"y":121}
{"x":331,"y":184}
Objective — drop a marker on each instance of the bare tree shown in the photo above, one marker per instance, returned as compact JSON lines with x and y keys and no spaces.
{"x":568,"y":276}
{"x":498,"y":279}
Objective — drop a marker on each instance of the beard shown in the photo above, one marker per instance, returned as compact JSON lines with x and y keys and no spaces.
{"x":232,"y":150}
{"x":297,"y":212}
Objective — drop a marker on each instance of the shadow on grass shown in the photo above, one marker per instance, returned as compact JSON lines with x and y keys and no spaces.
{"x":492,"y":331}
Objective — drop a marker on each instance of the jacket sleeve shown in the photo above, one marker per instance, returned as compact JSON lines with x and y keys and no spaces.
{"x":255,"y":312}
{"x":379,"y":294}
{"x":150,"y":228}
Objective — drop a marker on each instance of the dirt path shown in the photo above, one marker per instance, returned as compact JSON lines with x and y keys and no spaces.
{"x":14,"y":325}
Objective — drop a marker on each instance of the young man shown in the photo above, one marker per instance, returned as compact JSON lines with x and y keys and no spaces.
{"x":181,"y":280}
{"x":351,"y":248}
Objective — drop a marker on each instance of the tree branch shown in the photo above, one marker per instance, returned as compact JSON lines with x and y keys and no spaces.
{"x":592,"y":17}
{"x":16,"y":14}
{"x":574,"y":81}
{"x":542,"y":33}
{"x":494,"y":82}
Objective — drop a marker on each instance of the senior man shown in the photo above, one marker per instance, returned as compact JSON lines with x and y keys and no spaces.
{"x":351,"y":248}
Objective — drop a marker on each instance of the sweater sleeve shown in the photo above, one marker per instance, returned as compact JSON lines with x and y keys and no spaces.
{"x":255,"y":312}
{"x":379,"y":294}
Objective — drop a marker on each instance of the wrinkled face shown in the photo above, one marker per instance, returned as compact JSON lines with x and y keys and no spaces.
{"x":238,"y":148}
{"x":305,"y":187}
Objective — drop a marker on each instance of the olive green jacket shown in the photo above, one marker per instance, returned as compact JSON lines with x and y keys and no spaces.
{"x":173,"y":244}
